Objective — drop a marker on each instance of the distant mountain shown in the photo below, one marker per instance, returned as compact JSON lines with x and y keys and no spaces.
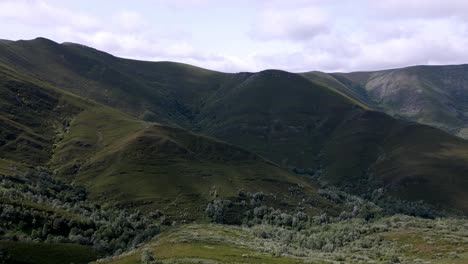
{"x":432,"y":95}
{"x":323,"y":125}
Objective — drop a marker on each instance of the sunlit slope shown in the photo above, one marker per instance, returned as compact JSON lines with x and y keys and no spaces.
{"x":153,"y":166}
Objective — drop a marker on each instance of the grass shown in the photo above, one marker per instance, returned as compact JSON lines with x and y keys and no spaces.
{"x":206,"y":244}
{"x":412,"y":240}
{"x":8,"y":167}
{"x":431,"y":246}
{"x":46,"y":253}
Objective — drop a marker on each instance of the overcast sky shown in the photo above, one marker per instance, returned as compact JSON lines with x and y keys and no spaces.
{"x":243,"y":35}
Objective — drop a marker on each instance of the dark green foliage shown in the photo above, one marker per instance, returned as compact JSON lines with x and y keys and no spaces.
{"x":252,"y":209}
{"x":45,"y":253}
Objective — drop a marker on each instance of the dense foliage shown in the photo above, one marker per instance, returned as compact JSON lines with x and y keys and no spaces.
{"x":40,"y":208}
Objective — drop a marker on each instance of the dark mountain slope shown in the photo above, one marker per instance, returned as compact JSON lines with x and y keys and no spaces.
{"x":277,"y":114}
{"x":295,"y":123}
{"x":412,"y":161}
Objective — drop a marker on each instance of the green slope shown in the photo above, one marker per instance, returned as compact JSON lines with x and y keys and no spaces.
{"x":398,"y":239}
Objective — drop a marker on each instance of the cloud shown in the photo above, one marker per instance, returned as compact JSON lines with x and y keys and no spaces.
{"x":410,"y":9}
{"x":296,"y":35}
{"x":364,"y":35}
{"x":126,"y":33}
{"x":290,"y":24}
{"x":40,"y":13}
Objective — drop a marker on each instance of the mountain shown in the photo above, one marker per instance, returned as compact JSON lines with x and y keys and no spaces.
{"x":123,"y":160}
{"x":162,"y":91}
{"x":432,"y":95}
{"x":320,"y":127}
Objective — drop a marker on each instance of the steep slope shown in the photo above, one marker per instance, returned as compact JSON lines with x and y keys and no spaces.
{"x":277,"y":114}
{"x":29,"y":116}
{"x":432,"y":95}
{"x":412,"y":161}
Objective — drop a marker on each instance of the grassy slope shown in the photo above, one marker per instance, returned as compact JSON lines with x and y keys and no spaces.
{"x":155,"y":166}
{"x":206,"y":244}
{"x":415,"y":241}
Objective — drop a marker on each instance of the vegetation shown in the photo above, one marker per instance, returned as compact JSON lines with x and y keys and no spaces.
{"x":395,"y":239}
{"x":38,"y":208}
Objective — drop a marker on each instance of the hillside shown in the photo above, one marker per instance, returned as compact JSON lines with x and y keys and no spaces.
{"x":282,"y":116}
{"x":162,"y":91}
{"x":104,"y":149}
{"x":323,"y":129}
{"x":385,"y":241}
{"x":432,"y":95}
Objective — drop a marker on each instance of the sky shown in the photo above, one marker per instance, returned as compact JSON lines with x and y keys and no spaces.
{"x":242,"y":35}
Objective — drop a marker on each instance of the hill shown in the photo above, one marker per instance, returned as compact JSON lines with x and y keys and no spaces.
{"x":123,"y":160}
{"x":295,"y":123}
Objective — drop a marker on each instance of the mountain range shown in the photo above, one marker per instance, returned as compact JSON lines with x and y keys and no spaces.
{"x":169,"y":136}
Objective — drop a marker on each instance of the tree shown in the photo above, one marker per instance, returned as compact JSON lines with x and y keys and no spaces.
{"x":147,"y":257}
